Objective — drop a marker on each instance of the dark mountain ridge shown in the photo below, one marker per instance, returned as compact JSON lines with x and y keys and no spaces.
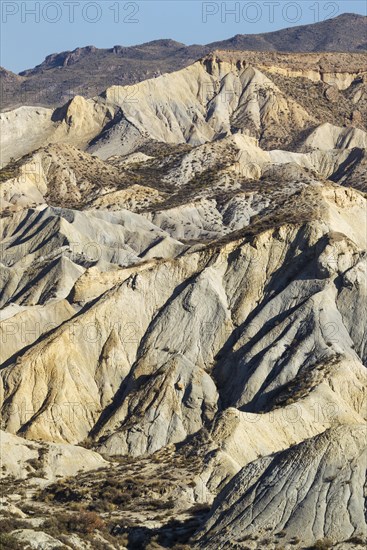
{"x":88,"y":70}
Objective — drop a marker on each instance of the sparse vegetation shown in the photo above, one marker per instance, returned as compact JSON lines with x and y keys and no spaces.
{"x":358,"y":539}
{"x":323,"y":544}
{"x":11,"y":523}
{"x":83,"y":523}
{"x":9,"y":542}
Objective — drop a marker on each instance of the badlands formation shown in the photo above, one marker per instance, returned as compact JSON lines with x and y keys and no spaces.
{"x":183,"y":326}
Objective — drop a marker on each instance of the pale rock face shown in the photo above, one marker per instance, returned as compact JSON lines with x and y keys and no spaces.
{"x":176,"y":329}
{"x":188,"y":290}
{"x":196,"y":105}
{"x":341,"y":80}
{"x":314,"y":490}
{"x":53,"y":460}
{"x":22,"y":326}
{"x":24,"y":130}
{"x":37,"y":539}
{"x":328,"y":136}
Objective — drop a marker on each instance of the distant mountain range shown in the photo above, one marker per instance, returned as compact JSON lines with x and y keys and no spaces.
{"x":88,"y":71}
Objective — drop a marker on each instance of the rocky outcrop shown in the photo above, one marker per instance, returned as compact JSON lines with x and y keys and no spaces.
{"x":135,"y":350}
{"x":311,"y":492}
{"x":21,"y":459}
{"x":222,"y":94}
{"x":188,"y":302}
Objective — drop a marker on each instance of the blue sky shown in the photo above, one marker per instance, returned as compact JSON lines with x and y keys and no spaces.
{"x":33,"y":29}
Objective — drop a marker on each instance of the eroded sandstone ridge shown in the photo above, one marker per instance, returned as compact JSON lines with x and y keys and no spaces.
{"x":183,"y":269}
